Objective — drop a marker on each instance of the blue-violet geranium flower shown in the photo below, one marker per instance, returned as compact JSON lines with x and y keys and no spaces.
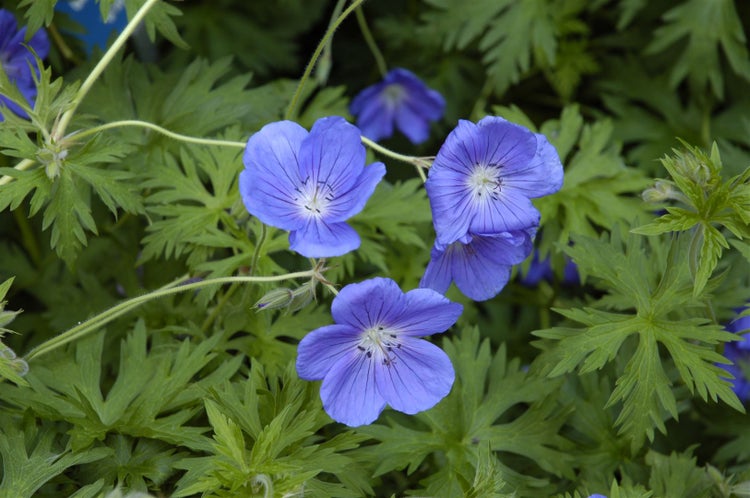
{"x":739,"y":353}
{"x":480,"y":265}
{"x":401,"y":99}
{"x":309,"y":183}
{"x":372,"y":355}
{"x":541,"y":269}
{"x":484,"y":176}
{"x":17,"y":60}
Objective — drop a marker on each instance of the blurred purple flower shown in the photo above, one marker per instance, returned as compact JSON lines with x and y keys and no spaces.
{"x":542,"y":270}
{"x":480,"y":265}
{"x":309,"y":183}
{"x":597,"y":495}
{"x":17,"y":60}
{"x":372,"y":355}
{"x":739,"y":354}
{"x":401,"y":98}
{"x":484,"y":176}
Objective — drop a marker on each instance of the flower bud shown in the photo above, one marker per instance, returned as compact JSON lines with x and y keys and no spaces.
{"x":20,"y":366}
{"x":6,"y":353}
{"x":660,"y":192}
{"x":283,"y":297}
{"x":52,"y":157}
{"x":276,"y":299}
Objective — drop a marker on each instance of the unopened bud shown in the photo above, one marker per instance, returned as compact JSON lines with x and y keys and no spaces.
{"x":20,"y":366}
{"x":660,"y":192}
{"x":52,"y":157}
{"x":7,"y":353}
{"x":292,"y":300}
{"x":276,"y":299}
{"x":302,"y":297}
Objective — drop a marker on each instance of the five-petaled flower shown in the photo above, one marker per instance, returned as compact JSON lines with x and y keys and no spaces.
{"x":373,"y":356}
{"x":309,"y":183}
{"x":739,"y":353}
{"x":401,"y":99}
{"x":480,"y":265}
{"x":17,"y":61}
{"x":484,"y":176}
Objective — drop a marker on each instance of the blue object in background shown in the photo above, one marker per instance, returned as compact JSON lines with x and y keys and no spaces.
{"x":542,"y":270}
{"x":87,"y":14}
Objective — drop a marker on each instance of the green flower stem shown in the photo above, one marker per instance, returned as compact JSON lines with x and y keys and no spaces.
{"x":325,"y":61}
{"x":21,"y":166}
{"x":92,"y":324}
{"x":100,"y":67}
{"x":314,"y":59}
{"x":233,"y":288}
{"x":420,"y":163}
{"x":370,"y":40}
{"x":157,"y":128}
{"x":258,"y":245}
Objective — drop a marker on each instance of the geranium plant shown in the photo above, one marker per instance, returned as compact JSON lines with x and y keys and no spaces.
{"x":240,"y":256}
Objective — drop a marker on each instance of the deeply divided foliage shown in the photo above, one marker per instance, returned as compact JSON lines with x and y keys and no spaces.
{"x":128,"y":367}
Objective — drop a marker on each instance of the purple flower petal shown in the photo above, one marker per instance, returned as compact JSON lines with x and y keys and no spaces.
{"x":373,"y":355}
{"x":542,"y":176}
{"x":426,"y":312}
{"x":510,"y":212}
{"x":419,"y":106}
{"x":366,"y":304}
{"x":401,"y":98}
{"x":418,"y":376}
{"x":739,"y":353}
{"x":485,"y":174}
{"x":322,"y":347}
{"x":269,"y":183}
{"x":319,"y":239}
{"x":375,"y":119}
{"x":480,"y":265}
{"x":353,"y":200}
{"x":332,"y":154}
{"x":17,"y":59}
{"x":309,"y":183}
{"x":349,"y":391}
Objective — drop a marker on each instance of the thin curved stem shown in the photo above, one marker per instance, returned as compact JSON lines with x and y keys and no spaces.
{"x":387,"y":152}
{"x":325,"y":61}
{"x":419,"y":163}
{"x":370,"y":40}
{"x":92,"y":324}
{"x":258,"y":245}
{"x":101,"y":66}
{"x":21,"y":166}
{"x":314,"y":59}
{"x":157,"y":128}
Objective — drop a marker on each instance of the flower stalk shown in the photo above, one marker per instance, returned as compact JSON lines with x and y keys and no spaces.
{"x":92,"y":324}
{"x":59,"y":131}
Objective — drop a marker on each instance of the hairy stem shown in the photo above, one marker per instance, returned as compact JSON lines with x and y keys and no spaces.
{"x":420,"y":163}
{"x":324,"y":63}
{"x":370,"y":40}
{"x":92,"y":324}
{"x":314,"y":59}
{"x":21,"y":166}
{"x":159,"y":129}
{"x":100,"y":67}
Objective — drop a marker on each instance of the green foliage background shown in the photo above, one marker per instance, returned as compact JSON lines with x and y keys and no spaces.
{"x":612,"y":386}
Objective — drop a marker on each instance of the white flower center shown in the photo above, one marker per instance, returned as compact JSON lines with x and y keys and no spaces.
{"x":485,"y":182}
{"x":379,"y":342}
{"x":393,"y":94}
{"x":314,"y":198}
